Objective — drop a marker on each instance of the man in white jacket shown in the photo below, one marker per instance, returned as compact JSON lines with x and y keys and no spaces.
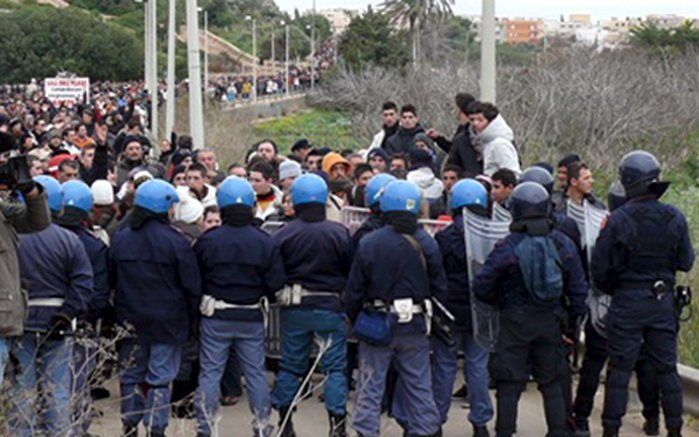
{"x":493,"y":138}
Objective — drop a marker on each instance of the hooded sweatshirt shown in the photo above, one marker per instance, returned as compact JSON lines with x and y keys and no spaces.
{"x":495,"y":143}
{"x":431,"y":187}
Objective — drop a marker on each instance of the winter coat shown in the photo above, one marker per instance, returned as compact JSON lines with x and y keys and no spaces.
{"x":498,"y":149}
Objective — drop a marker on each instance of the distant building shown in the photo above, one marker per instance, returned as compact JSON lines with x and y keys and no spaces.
{"x":584,"y":20}
{"x":666,"y":21}
{"x":522,"y":31}
{"x":621,"y":25}
{"x":476,"y":26}
{"x":339,"y":18}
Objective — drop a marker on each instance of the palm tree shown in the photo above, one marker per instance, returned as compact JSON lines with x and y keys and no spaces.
{"x":415,"y":14}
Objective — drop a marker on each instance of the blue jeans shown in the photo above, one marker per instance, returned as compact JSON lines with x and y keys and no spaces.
{"x":145,"y":383}
{"x":444,"y":367}
{"x":217,"y":337}
{"x":299,"y":326}
{"x":4,"y":353}
{"x":42,"y":365}
{"x":84,"y":364}
{"x":410,"y":354}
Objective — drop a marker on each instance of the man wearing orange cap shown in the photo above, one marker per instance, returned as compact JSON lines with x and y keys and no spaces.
{"x":335,"y":166}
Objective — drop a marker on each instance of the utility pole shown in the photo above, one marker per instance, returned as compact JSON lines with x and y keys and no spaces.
{"x":274,"y":59}
{"x":153,"y":84}
{"x":170,"y":100}
{"x":196,"y":115}
{"x":313,"y":46}
{"x":206,"y":50}
{"x":286,"y":50}
{"x":488,"y":63}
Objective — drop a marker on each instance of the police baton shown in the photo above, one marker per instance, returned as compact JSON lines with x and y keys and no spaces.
{"x":443,"y":309}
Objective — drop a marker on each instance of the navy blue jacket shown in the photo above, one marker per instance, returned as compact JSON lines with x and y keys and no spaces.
{"x":500,"y":281}
{"x":452,"y":246}
{"x":643,"y":241}
{"x":239,"y":265}
{"x":98,"y":305}
{"x":371,"y":224}
{"x":155,"y":274}
{"x":387,"y":267}
{"x":53,"y":264}
{"x":316,"y":255}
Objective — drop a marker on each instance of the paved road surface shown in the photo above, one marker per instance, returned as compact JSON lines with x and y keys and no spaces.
{"x":311,"y":419}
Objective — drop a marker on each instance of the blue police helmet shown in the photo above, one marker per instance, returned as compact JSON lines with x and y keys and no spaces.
{"x":156,"y":196}
{"x":235,"y":191}
{"x":538,"y":175}
{"x":54,"y":191}
{"x":77,"y":194}
{"x":401,"y":195}
{"x":373,"y":188}
{"x":309,"y":188}
{"x":616,"y":196}
{"x":468,"y":192}
{"x":638,"y":168}
{"x":529,"y":200}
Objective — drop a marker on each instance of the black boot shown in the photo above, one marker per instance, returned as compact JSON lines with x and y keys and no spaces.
{"x":154,"y":433}
{"x":130,"y":430}
{"x":338,"y":426}
{"x":651,"y":427}
{"x":674,"y":432}
{"x":480,"y":431}
{"x":610,"y":431}
{"x":288,"y":430}
{"x":582,"y":428}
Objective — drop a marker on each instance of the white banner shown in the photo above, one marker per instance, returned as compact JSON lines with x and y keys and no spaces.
{"x":67,"y":90}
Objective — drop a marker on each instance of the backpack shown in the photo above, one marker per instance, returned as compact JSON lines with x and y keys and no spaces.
{"x":541,"y":268}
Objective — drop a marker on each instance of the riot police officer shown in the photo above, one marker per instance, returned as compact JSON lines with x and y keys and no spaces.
{"x":396,"y":271}
{"x":241,"y":268}
{"x":644,"y":243}
{"x":466,"y":194}
{"x":317,"y":254}
{"x":526,"y":276}
{"x":75,"y":217}
{"x":372,"y":194}
{"x":154,"y":271}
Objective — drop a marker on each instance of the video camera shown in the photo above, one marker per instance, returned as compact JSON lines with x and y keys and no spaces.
{"x":15,"y":173}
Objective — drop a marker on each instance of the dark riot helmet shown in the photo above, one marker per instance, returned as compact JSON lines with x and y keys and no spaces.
{"x":529,"y":200}
{"x":639,"y":172}
{"x":538,"y":175}
{"x":616,"y":196}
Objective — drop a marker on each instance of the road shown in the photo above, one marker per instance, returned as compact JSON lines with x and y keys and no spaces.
{"x":311,"y":419}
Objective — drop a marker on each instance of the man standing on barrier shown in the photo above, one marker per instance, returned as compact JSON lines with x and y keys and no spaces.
{"x":54,"y":264}
{"x":154,"y":271}
{"x":466,"y":194}
{"x":396,"y":272}
{"x":639,"y":250}
{"x":241,"y":269}
{"x":525,"y":276}
{"x":317,"y":255}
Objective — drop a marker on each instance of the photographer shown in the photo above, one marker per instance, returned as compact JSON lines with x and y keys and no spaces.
{"x":30,"y":216}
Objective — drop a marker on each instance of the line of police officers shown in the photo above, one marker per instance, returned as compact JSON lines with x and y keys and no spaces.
{"x":389,"y":281}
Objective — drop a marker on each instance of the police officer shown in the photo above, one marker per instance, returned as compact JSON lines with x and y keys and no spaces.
{"x":75,"y":217}
{"x":396,"y":270}
{"x":638,"y":252}
{"x":156,"y":278}
{"x":57,"y":270}
{"x":466,"y":194}
{"x":596,"y":357}
{"x":241,"y":269}
{"x":372,"y":194}
{"x":525,"y":276}
{"x":317,"y":255}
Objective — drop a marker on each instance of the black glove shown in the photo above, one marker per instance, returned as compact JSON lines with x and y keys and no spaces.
{"x":59,"y":326}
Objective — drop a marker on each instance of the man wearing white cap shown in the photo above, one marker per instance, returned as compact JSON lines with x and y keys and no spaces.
{"x":289,"y":170}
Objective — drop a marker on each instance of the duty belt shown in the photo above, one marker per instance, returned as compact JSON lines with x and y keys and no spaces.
{"x":405,"y":309}
{"x":209,"y":305}
{"x":46,"y":302}
{"x":294,"y":294}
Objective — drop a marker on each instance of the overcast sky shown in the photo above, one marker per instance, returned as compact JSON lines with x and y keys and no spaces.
{"x":534,"y":8}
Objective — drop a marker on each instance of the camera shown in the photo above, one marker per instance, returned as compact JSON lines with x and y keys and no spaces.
{"x":15,"y":173}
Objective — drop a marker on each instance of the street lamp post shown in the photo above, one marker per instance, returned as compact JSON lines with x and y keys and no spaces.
{"x":170,"y":102}
{"x":286,"y":55}
{"x":206,"y":49}
{"x":313,"y":52}
{"x":488,"y":63}
{"x":153,"y":84}
{"x":254,"y":57}
{"x":196,"y":116}
{"x":274,"y":58}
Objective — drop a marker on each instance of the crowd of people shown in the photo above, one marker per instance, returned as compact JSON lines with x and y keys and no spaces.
{"x":229,"y":89}
{"x":186,"y":255}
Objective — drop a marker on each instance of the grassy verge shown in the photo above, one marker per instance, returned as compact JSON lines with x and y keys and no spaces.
{"x":322,"y":128}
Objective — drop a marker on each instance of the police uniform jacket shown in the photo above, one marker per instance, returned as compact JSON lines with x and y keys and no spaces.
{"x":239,"y":265}
{"x":317,"y":256}
{"x":452,"y":246}
{"x":388,"y":267}
{"x":643,"y":241}
{"x":53,"y":264}
{"x":154,"y":271}
{"x":500,"y":281}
